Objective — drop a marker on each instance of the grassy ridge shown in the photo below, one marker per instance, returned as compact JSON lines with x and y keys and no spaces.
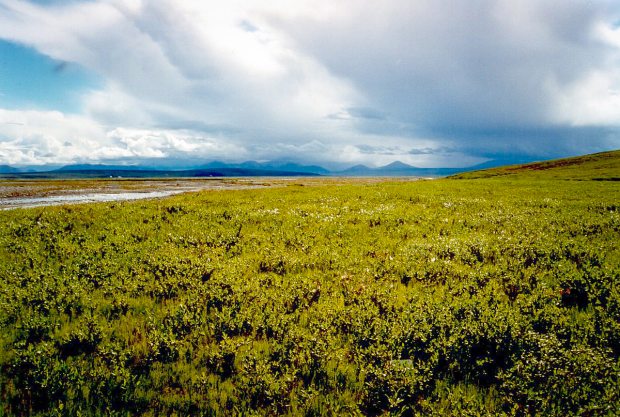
{"x":604,"y":166}
{"x":481,"y":297}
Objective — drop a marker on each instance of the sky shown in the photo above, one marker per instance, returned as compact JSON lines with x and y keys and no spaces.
{"x":431,"y":83}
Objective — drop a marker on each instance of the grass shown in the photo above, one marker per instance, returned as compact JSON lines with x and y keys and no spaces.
{"x":495,"y":296}
{"x":604,"y":166}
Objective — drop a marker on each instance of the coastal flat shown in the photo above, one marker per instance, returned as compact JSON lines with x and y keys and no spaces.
{"x":46,"y":192}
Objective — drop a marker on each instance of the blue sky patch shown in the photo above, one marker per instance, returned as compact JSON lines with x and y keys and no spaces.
{"x":30,"y":80}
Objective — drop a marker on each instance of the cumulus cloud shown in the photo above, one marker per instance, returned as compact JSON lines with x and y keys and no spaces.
{"x":426,"y":82}
{"x":35,"y":137}
{"x":173,"y":144}
{"x":50,"y":137}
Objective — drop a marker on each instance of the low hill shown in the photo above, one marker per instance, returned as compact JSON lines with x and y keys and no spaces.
{"x":6,"y":169}
{"x":603,"y":166}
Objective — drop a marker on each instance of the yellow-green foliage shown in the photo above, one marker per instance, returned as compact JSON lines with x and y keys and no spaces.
{"x":603,"y":166}
{"x":483,"y":297}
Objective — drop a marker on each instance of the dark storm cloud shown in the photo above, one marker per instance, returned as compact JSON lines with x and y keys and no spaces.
{"x":450,"y":69}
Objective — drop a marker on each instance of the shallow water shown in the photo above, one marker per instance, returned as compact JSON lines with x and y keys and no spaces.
{"x":75,"y":196}
{"x":55,"y":200}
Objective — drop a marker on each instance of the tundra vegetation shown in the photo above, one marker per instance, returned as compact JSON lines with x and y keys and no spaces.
{"x":483,"y":296}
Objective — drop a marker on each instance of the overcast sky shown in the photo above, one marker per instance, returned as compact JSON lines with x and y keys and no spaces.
{"x":334,"y":82}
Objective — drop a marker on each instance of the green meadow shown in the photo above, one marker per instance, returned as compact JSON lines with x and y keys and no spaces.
{"x":493,"y":293}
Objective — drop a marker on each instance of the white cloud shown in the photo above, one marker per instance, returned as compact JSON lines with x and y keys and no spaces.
{"x":35,"y":137}
{"x":184,"y":60}
{"x":320,"y":80}
{"x":594,"y":98}
{"x":50,"y":137}
{"x":174,"y":144}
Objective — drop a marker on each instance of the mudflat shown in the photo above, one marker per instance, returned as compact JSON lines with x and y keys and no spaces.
{"x":32,"y":193}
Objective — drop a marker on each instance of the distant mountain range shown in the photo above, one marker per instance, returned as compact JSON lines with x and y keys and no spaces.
{"x":270,"y":166}
{"x":120,"y":171}
{"x":223,"y":169}
{"x":397,"y":169}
